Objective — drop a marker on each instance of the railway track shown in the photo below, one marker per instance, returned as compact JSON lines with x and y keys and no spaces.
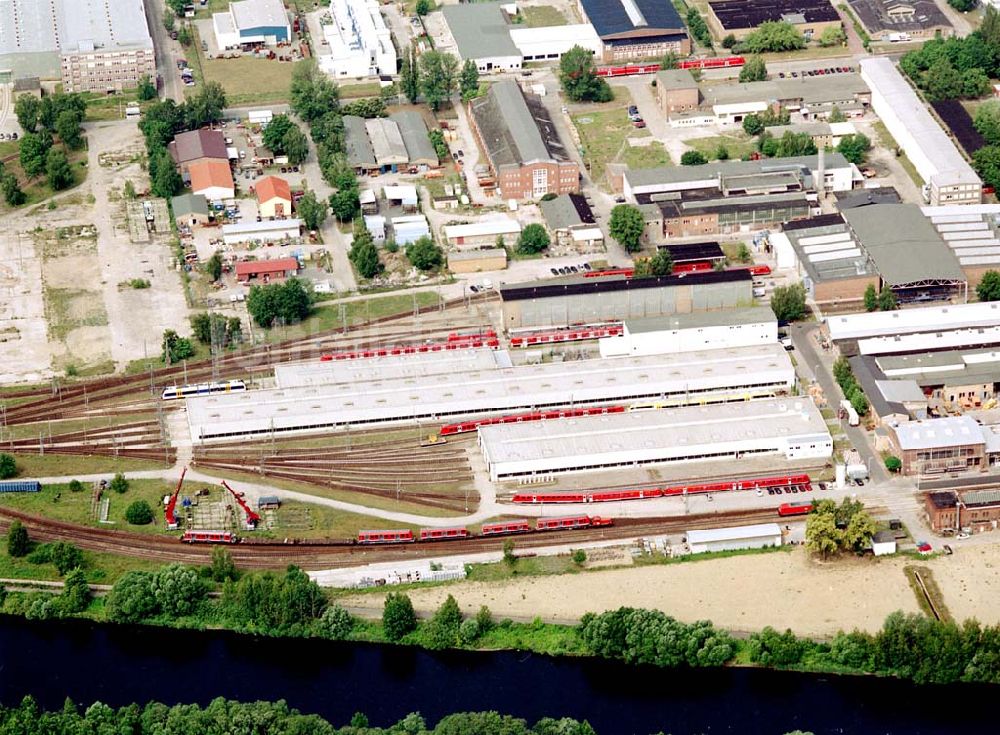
{"x":331,"y":553}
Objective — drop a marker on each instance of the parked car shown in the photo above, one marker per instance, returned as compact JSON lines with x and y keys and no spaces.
{"x":924,"y":548}
{"x":555,"y":271}
{"x":639,"y":123}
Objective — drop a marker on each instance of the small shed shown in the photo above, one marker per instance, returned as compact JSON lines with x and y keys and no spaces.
{"x":376,"y":226}
{"x":404,"y":195}
{"x":260,"y":117}
{"x":266,"y":271}
{"x":884,"y":543}
{"x":274,"y":197}
{"x":410,"y":228}
{"x":757,"y":536}
{"x":369,"y":202}
{"x":268,"y":502}
{"x":190,"y":209}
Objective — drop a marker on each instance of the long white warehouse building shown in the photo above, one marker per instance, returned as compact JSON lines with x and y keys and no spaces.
{"x":390,"y":367}
{"x":695,"y":377}
{"x":911,"y":321}
{"x":948,"y":176}
{"x":791,"y":428}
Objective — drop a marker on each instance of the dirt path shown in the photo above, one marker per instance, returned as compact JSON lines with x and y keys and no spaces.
{"x":743,"y":593}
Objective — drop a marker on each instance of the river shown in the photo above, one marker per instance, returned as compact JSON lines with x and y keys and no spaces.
{"x":119,"y":665}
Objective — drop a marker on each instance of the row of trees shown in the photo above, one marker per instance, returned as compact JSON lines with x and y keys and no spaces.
{"x":229,"y":716}
{"x":884,"y":301}
{"x":436,"y":76}
{"x":957,"y":67}
{"x":211,"y":328}
{"x":832,"y":528}
{"x":844,"y":376}
{"x":290,"y":302}
{"x":363,"y":253}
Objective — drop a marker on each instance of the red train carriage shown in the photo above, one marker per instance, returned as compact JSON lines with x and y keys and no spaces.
{"x":566,"y":335}
{"x":559,"y":524}
{"x":466,"y":426}
{"x":506,"y":527}
{"x":598,"y":521}
{"x":439,"y":534}
{"x":209,"y":537}
{"x":385,"y":537}
{"x":794,"y":509}
{"x":551,"y":498}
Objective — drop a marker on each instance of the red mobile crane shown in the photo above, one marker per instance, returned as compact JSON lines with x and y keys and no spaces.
{"x":252,"y":516}
{"x":171,"y":509}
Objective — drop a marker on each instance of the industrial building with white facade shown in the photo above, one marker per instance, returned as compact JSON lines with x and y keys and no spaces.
{"x":948,"y":177}
{"x":360,"y":42}
{"x":697,"y":377}
{"x":791,"y":428}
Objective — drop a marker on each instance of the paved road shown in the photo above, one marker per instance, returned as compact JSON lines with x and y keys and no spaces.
{"x":165,"y":64}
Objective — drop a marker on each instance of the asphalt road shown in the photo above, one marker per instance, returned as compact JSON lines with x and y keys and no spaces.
{"x":161,"y":44}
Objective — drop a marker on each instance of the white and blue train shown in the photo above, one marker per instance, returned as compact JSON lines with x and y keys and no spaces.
{"x":203,"y":389}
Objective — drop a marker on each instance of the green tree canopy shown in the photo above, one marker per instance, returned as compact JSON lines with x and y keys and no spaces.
{"x":398,"y":617}
{"x":438,"y":76}
{"x":693,"y":158}
{"x":139,"y":513}
{"x":754,"y":70}
{"x":18,"y":543}
{"x":313,"y":211}
{"x":131,"y":599}
{"x":468,"y":81}
{"x":773,"y":36}
{"x":578,"y":77}
{"x":424,"y":255}
{"x":57,"y":170}
{"x":626,"y":226}
{"x":32,"y":152}
{"x":753,"y":125}
{"x":290,"y":302}
{"x":871,"y":298}
{"x":8,"y":466}
{"x":178,"y":590}
{"x":533,"y":239}
{"x":789,"y":302}
{"x":312,"y":93}
{"x":409,"y":75}
{"x":988,"y":288}
{"x":27,"y":108}
{"x":854,"y":148}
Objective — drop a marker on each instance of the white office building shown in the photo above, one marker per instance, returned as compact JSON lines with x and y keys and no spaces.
{"x":360,"y":41}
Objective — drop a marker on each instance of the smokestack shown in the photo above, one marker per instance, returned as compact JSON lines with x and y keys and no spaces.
{"x":819,"y":175}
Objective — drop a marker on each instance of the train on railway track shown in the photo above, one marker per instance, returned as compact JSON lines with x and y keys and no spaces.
{"x":203,"y":389}
{"x":795,"y":509}
{"x":629,"y":70}
{"x":798,"y":482}
{"x":505,"y":528}
{"x":455,"y":341}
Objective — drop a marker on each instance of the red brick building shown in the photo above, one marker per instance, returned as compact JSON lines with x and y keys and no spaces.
{"x":949,"y":511}
{"x":526,"y":157}
{"x":266,"y":271}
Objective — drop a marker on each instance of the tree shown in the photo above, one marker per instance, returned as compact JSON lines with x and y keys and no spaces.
{"x":409,"y":75}
{"x":699,"y":29}
{"x":858,"y":402}
{"x":8,"y":466}
{"x":670,"y":60}
{"x":987,"y":290}
{"x":893,"y":463}
{"x":468,"y":81}
{"x":871,"y":298}
{"x":163,"y":177}
{"x":290,"y":302}
{"x":223,"y":568}
{"x":312,"y":93}
{"x":729,"y":41}
{"x":57,"y":170}
{"x":887,"y":300}
{"x":832,"y":36}
{"x":986,"y":161}
{"x":398,"y":617}
{"x":131,"y":599}
{"x":822,"y":535}
{"x":743,"y":254}
{"x":12,"y":193}
{"x":975,"y":84}
{"x":626,"y":226}
{"x":423,"y":7}
{"x":146,"y":90}
{"x":365,"y":258}
{"x":942,"y":81}
{"x":858,"y":534}
{"x":27,"y":108}
{"x":139,"y":513}
{"x":33,"y":150}
{"x":18,"y":543}
{"x":770,"y":648}
{"x":661,"y":264}
{"x":75,"y":486}
{"x":76,"y":592}
{"x":989,"y":29}
{"x":773,"y":36}
{"x":213,"y":266}
{"x":963,"y":6}
{"x":578,"y":77}
{"x":722,"y":153}
{"x":509,"y":557}
{"x":789,"y":302}
{"x":533,"y":239}
{"x":178,"y":590}
{"x":987,"y":121}
{"x":296,"y":146}
{"x":438,"y":76}
{"x":313,"y":211}
{"x":175,"y":347}
{"x":854,"y":147}
{"x":579,"y":557}
{"x":484,"y":620}
{"x":336,"y":623}
{"x":836,"y":115}
{"x":274,"y":132}
{"x":206,"y":106}
{"x":754,"y":70}
{"x":437,"y":140}
{"x":68,"y":129}
{"x":442,"y":629}
{"x":118,"y":483}
{"x":65,"y":556}
{"x":346,"y":203}
{"x":424,"y":255}
{"x":753,"y":125}
{"x":693,"y":158}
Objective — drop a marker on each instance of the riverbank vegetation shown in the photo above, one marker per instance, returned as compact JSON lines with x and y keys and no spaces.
{"x":911,"y":647}
{"x":222,"y":715}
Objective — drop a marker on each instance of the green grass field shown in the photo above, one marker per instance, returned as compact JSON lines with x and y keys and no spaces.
{"x":603,"y":129}
{"x":738,"y":145}
{"x":248,"y":80}
{"x":56,"y":465}
{"x":540,"y":16}
{"x":327,"y":314}
{"x":38,"y":189}
{"x":653,"y":155}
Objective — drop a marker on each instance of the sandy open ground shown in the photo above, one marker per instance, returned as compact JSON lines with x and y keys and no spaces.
{"x":742,"y":593}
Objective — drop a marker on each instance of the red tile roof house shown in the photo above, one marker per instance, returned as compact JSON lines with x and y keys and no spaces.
{"x":266,"y":271}
{"x":197,"y":145}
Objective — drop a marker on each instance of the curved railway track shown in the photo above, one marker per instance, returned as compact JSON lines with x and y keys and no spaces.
{"x":325,"y":554}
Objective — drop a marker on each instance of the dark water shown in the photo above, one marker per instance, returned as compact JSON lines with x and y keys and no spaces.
{"x":118,"y":665}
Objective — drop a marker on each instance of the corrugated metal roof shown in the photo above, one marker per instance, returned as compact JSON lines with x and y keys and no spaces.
{"x":512,"y":131}
{"x":948,"y":431}
{"x":415,"y":136}
{"x":480,"y":30}
{"x":358,"y":148}
{"x":709,"y":535}
{"x":617,"y":17}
